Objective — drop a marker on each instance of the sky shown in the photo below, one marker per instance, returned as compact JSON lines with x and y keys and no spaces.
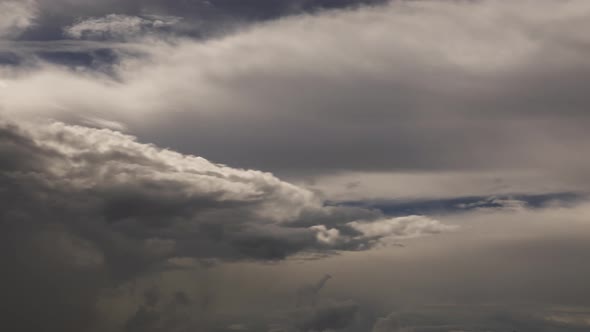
{"x":294,"y":165}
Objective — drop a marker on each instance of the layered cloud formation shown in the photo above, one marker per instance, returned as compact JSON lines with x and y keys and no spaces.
{"x":166,"y":164}
{"x":498,"y":78}
{"x":142,"y":191}
{"x":105,"y":209}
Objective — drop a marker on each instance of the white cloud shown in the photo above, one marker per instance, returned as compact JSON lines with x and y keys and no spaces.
{"x":16,"y":16}
{"x":387,"y":231}
{"x":102,"y":123}
{"x":196,"y":177}
{"x":467,"y":91}
{"x":119,"y":27}
{"x":325,"y":235}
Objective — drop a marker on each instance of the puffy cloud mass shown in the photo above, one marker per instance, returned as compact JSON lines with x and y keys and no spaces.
{"x":103,"y":208}
{"x":146,"y":193}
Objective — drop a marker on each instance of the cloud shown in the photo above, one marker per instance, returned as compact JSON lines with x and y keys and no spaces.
{"x":101,"y":123}
{"x":446,"y":187}
{"x":388,"y":230}
{"x":119,"y":27}
{"x":456,"y":99}
{"x":201,"y":19}
{"x":16,"y":17}
{"x":458,"y":318}
{"x":325,"y":235}
{"x":368,"y":98}
{"x":379,"y":232}
{"x":458,"y":205}
{"x":106,"y":209}
{"x":145,"y":189}
{"x":148,"y":187}
{"x":330,"y":316}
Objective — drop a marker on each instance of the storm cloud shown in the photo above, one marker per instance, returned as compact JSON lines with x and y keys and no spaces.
{"x":103,"y":210}
{"x":196,"y":165}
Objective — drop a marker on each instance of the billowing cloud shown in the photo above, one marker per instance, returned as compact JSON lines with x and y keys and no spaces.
{"x":106,"y":209}
{"x":145,"y":190}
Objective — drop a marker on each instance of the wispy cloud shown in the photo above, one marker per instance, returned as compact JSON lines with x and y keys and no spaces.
{"x":119,"y":27}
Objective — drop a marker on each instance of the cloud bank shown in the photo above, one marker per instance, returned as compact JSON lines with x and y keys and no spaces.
{"x":466,"y":118}
{"x":491,"y":71}
{"x":106,"y":209}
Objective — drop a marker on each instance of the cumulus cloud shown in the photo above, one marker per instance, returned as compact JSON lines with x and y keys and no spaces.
{"x":144,"y":183}
{"x":107,"y":209}
{"x":142,"y":186}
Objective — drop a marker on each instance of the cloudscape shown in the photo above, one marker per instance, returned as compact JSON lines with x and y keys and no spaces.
{"x":294,"y":165}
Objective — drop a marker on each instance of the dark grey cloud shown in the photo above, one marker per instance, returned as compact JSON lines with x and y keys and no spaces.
{"x":87,"y":209}
{"x":143,"y":192}
{"x":514,"y":272}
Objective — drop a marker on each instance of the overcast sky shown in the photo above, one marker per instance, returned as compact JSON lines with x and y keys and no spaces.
{"x":294,"y":165}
